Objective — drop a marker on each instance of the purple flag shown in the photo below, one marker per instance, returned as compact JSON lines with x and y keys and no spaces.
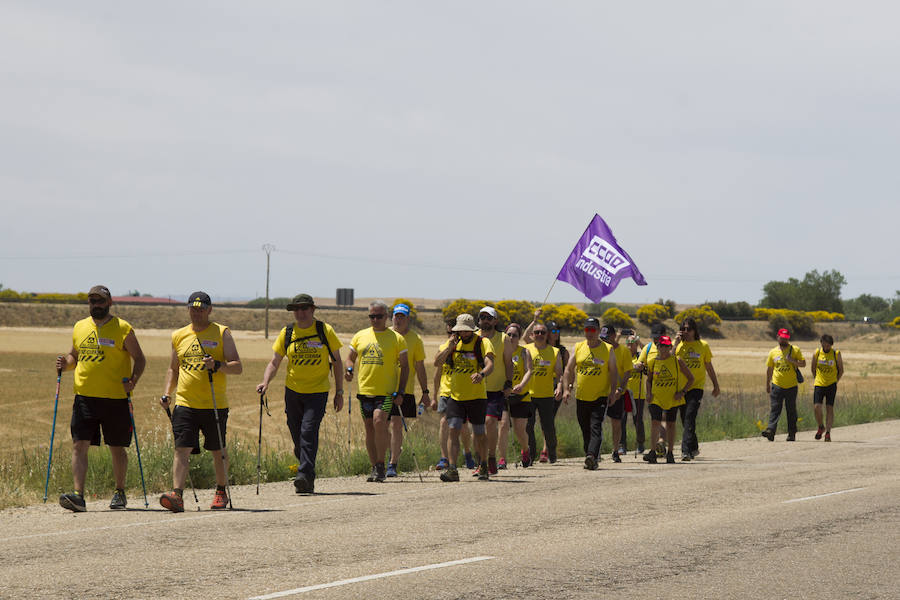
{"x":598,"y":263}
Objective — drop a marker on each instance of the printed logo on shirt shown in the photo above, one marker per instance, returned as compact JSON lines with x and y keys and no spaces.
{"x":372,"y":355}
{"x":192,"y":360}
{"x":89,"y":349}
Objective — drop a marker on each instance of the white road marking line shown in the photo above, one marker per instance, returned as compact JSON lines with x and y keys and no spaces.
{"x":323,"y":586}
{"x":823,"y":495}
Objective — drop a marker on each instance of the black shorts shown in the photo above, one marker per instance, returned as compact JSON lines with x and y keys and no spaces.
{"x":657,"y":413}
{"x":408,"y":407}
{"x":187,"y":423}
{"x":826,"y":393}
{"x":519,"y":409}
{"x":369,"y":404}
{"x":473,"y":410}
{"x":90,"y":415}
{"x":496,"y":404}
{"x":615,"y":411}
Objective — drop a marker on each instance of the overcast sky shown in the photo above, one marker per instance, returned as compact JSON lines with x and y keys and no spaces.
{"x":446,"y":150}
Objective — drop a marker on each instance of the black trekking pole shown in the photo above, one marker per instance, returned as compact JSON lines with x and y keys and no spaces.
{"x":263,"y":401}
{"x":349,"y":401}
{"x":190,"y":479}
{"x":212,"y":391}
{"x":411,"y":449}
{"x":137,"y":445}
{"x":52,"y":431}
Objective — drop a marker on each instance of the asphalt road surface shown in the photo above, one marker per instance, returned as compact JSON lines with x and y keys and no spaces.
{"x":748,"y":519}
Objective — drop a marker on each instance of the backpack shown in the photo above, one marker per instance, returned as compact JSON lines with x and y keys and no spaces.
{"x":479,"y":356}
{"x":320,"y":333}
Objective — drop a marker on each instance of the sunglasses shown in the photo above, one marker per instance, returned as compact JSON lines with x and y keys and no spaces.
{"x":540,"y":333}
{"x":685,"y":329}
{"x":590,"y":329}
{"x":376,"y":317}
{"x":485,"y":316}
{"x":512,"y":335}
{"x":554,"y":331}
{"x":304,"y":307}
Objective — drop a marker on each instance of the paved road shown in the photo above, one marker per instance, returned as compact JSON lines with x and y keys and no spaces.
{"x":749,"y":519}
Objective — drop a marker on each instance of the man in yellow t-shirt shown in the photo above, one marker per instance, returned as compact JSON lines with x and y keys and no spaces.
{"x":313,"y":352}
{"x":102,"y":352}
{"x":616,"y":408}
{"x":698,"y":357}
{"x":198,"y":350}
{"x":381,"y":380}
{"x":827,"y":370}
{"x":782,"y":366}
{"x":472,"y":360}
{"x":635,"y":393}
{"x":497,"y":412}
{"x":415,"y":351}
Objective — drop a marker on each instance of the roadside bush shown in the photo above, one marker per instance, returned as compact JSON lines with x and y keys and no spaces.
{"x":670,"y":306}
{"x":514,"y":311}
{"x":652,"y":313}
{"x":568,"y":316}
{"x":707,"y":320}
{"x":462,"y":305}
{"x":800,"y":324}
{"x":896,"y":323}
{"x":821,"y":316}
{"x":617,"y":319}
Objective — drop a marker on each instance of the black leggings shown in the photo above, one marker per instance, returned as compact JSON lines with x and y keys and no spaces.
{"x":546,"y":411}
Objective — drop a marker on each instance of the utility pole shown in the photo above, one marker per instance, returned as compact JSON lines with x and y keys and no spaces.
{"x":268,"y":249}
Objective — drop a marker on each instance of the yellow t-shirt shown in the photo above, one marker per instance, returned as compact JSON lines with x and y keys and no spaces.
{"x":379,"y":354}
{"x":636,"y":381}
{"x":415,"y":350}
{"x":308,"y":365}
{"x":648,"y":353}
{"x":193,"y":380}
{"x":784,"y":374}
{"x":446,"y":372}
{"x":465,"y":364}
{"x":826,"y":367}
{"x":666,"y":374}
{"x":542,"y":370}
{"x":103,"y":360}
{"x":623,"y":362}
{"x":518,"y":374}
{"x":695,"y":355}
{"x":591,"y":371}
{"x":494,"y":382}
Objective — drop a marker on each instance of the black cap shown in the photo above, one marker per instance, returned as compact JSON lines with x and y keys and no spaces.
{"x":301,"y":300}
{"x":607,"y":331}
{"x":657,"y":329}
{"x":200,"y":300}
{"x":592,"y":322}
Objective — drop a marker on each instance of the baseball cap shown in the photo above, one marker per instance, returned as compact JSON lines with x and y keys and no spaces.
{"x":489,"y":310}
{"x":464,"y":322}
{"x":199,"y":300}
{"x":100,"y":290}
{"x":784,"y":333}
{"x":607,"y":330}
{"x":301,"y":300}
{"x":401,"y":309}
{"x":657,"y":329}
{"x":592,"y":322}
{"x":664,"y":340}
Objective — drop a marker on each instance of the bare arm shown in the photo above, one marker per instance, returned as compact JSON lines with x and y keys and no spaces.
{"x":444,"y":354}
{"x":687,"y":373}
{"x":613,"y":378}
{"x":569,"y":378}
{"x":171,"y":380}
{"x":526,"y":376}
{"x":815,"y":363}
{"x":404,"y":375}
{"x":840,"y":365}
{"x":422,"y":376}
{"x":558,"y":370}
{"x":67,"y":362}
{"x":232,"y":364}
{"x":769,"y":371}
{"x":269,"y":373}
{"x":715,"y":380}
{"x":351,"y":360}
{"x":528,"y":334}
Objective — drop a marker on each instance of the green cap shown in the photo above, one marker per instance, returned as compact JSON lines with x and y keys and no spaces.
{"x":301,"y":300}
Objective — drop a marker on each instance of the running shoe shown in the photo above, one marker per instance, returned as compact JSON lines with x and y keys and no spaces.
{"x":695,"y":453}
{"x":670,"y":458}
{"x":686,"y":457}
{"x":442,"y":464}
{"x":769,"y":435}
{"x":379,"y":473}
{"x":483,"y":472}
{"x":791,"y":437}
{"x":118,"y":501}
{"x":373,"y":475}
{"x":492,"y":465}
{"x":391,"y":470}
{"x":590,"y":463}
{"x":502,"y":464}
{"x":552,"y":458}
{"x":302,"y":485}
{"x":640,"y":449}
{"x":172,"y":501}
{"x":827,"y":436}
{"x":451,"y":474}
{"x":220,"y":501}
{"x":526,"y":459}
{"x":73,"y":501}
{"x":470,"y":461}
{"x":650,"y":457}
{"x":820,"y":431}
{"x":544,"y":456}
{"x":622,"y":451}
{"x":615,"y":457}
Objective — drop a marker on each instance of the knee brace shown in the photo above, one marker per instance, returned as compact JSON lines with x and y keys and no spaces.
{"x":455,"y":422}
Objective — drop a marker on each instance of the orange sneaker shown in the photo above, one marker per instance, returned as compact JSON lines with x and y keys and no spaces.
{"x":220,"y":501}
{"x":172,"y":501}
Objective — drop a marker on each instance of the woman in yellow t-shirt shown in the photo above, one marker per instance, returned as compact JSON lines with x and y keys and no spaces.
{"x":827,"y":370}
{"x":546,"y":368}
{"x":635,"y":391}
{"x":519,"y":400}
{"x":668,"y":379}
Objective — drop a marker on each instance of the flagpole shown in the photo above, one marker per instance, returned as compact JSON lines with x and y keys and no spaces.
{"x":548,"y":292}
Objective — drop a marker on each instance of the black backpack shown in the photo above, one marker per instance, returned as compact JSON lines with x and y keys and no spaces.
{"x":479,"y":356}
{"x":320,"y":333}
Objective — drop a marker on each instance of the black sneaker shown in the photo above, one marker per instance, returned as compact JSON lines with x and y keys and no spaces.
{"x":552,"y":457}
{"x":380,"y":475}
{"x":686,"y":457}
{"x":640,"y":449}
{"x":792,"y":437}
{"x":483,"y":474}
{"x":650,"y":457}
{"x":373,"y":475}
{"x":118,"y":501}
{"x":450,"y":474}
{"x":590,"y":462}
{"x":73,"y":502}
{"x":302,"y":485}
{"x":615,"y":457}
{"x":670,"y":458}
{"x":769,"y":435}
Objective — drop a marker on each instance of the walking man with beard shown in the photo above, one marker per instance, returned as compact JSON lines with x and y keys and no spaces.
{"x":782,"y":366}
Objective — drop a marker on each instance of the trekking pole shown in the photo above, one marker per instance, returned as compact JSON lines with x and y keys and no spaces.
{"x":190,"y":479}
{"x":415,"y":460}
{"x":263,"y":400}
{"x":137,"y":445}
{"x":52,"y":431}
{"x":349,"y":401}
{"x":212,"y":392}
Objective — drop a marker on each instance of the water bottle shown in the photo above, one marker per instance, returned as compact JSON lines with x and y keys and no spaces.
{"x":421,"y":408}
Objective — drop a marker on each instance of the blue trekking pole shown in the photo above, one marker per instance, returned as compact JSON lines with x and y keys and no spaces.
{"x":52,"y":431}
{"x":136,"y":445}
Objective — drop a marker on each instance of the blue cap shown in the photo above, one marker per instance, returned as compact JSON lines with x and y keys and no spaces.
{"x":401,"y":309}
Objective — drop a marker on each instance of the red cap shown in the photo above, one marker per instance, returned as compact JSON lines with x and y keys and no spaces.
{"x":784,"y":333}
{"x":664,"y":340}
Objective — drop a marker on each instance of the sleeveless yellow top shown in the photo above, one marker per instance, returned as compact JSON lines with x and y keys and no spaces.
{"x":102,"y":359}
{"x":193,"y":381}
